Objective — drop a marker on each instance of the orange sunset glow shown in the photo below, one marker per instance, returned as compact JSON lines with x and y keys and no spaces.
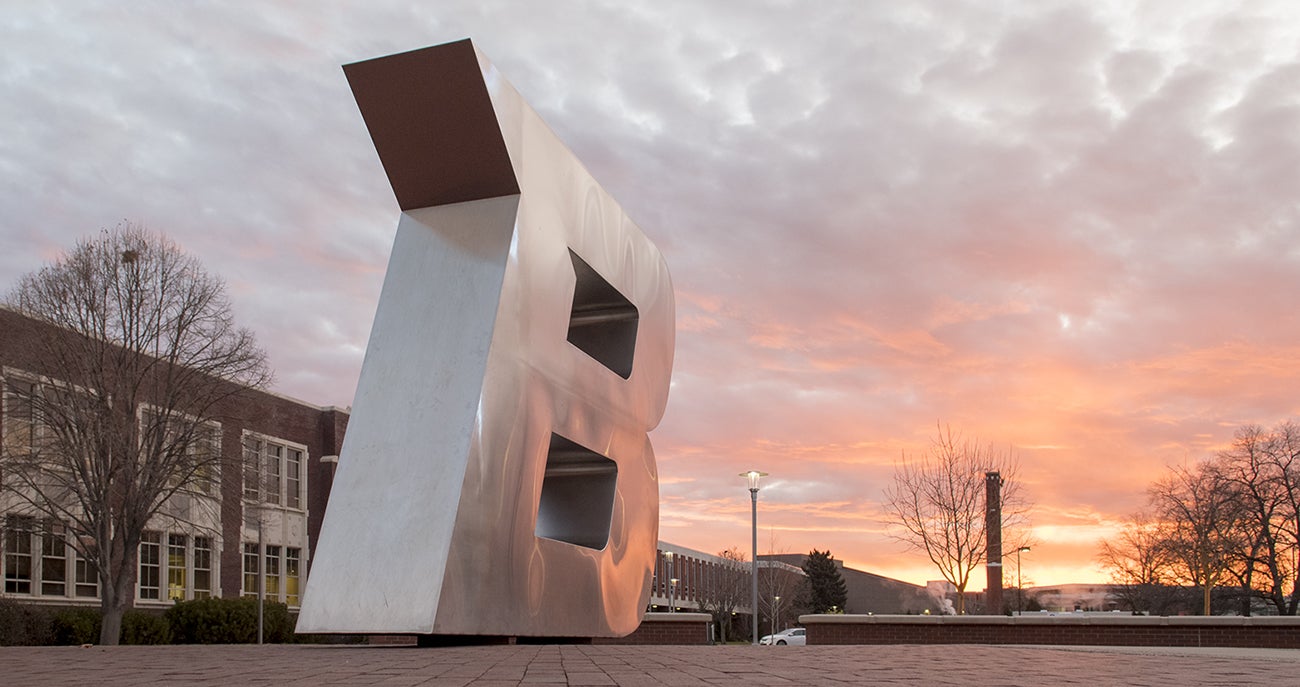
{"x":1070,"y":230}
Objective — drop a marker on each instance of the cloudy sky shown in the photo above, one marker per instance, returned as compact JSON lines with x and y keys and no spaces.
{"x":1070,"y":229}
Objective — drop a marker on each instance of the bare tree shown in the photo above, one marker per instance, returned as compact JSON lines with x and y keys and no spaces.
{"x":937,"y":501}
{"x":1140,"y":565}
{"x":1201,"y":510}
{"x":725,"y":589}
{"x":139,"y":352}
{"x":779,"y":586}
{"x":1263,"y":468}
{"x":1284,"y":563}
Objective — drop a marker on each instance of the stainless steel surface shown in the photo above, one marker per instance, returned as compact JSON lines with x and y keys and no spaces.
{"x":497,"y":477}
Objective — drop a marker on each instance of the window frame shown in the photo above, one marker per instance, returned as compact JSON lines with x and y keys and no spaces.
{"x":18,"y":529}
{"x":178,"y":573}
{"x":256,"y":449}
{"x":154,"y":540}
{"x":10,"y":405}
{"x":207,"y":569}
{"x":53,"y":537}
{"x":48,"y":545}
{"x":208,"y":476}
{"x":283,"y":567}
{"x":169,"y":543}
{"x":37,"y":430}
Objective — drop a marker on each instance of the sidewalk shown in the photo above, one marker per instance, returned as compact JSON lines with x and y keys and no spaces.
{"x":499,"y":666}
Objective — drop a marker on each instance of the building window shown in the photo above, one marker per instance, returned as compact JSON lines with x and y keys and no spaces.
{"x":20,"y":427}
{"x":202,"y":567}
{"x":176,"y":549}
{"x":87,"y":584}
{"x":150,"y":565}
{"x":252,"y":467}
{"x":54,"y":560}
{"x":273,"y":471}
{"x":250,"y":570}
{"x":186,"y":567}
{"x":272,"y":486}
{"x":18,"y":554}
{"x":293,"y":478}
{"x":193,"y":449}
{"x":292,"y":574}
{"x":204,"y":453}
{"x":283,"y":572}
{"x":39,"y":560}
{"x":273,"y":572}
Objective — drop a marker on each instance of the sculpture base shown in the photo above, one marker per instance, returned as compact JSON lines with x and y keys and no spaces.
{"x":492,"y":640}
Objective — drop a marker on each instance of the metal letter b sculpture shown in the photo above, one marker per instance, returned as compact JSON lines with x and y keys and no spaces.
{"x":496,"y":478}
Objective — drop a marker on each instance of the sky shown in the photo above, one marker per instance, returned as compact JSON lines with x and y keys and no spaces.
{"x":1070,"y":230}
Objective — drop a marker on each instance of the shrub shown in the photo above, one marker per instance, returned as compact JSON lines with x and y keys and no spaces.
{"x":228,"y":621}
{"x":139,"y":627}
{"x":76,"y":626}
{"x":23,"y":624}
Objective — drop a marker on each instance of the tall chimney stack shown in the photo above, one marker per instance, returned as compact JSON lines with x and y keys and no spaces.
{"x":993,"y":538}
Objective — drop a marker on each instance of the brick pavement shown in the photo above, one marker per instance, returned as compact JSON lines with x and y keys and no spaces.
{"x":500,"y":666}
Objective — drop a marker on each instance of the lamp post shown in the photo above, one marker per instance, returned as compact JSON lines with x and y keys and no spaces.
{"x":776,"y":611}
{"x":753,"y":476}
{"x":1020,"y":609}
{"x":672,"y":581}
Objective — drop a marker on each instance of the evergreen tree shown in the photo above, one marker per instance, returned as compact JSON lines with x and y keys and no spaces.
{"x":825,"y":587}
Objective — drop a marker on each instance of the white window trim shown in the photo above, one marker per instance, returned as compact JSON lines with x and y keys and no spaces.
{"x":164,"y":567}
{"x":214,"y":425}
{"x":283,"y":559}
{"x":284,"y":472}
{"x":36,"y":542}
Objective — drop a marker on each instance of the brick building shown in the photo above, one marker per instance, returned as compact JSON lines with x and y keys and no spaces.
{"x":277,"y":463}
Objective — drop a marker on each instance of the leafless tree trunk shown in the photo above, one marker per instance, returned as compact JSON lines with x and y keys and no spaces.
{"x":937,"y":499}
{"x":120,"y":416}
{"x":725,"y":588}
{"x":779,"y":586}
{"x":1285,"y":459}
{"x":1248,"y":467}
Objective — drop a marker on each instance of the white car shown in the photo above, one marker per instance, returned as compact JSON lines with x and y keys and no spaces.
{"x":794,"y":636}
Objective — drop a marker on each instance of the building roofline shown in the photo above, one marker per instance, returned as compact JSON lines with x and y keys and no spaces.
{"x":270,"y":392}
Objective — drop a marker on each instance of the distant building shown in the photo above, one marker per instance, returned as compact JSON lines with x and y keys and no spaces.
{"x":872,"y":593}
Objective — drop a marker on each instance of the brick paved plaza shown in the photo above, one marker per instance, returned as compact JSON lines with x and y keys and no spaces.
{"x":644,"y":665}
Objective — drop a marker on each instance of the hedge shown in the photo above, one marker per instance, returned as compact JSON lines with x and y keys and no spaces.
{"x":202,"y":621}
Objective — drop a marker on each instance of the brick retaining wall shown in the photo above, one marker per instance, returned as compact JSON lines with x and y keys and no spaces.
{"x":1119,"y":630}
{"x":666,"y":628}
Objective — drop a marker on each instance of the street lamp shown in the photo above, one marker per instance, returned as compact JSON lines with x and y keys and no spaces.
{"x":672,"y":596}
{"x":776,"y":611}
{"x":672,"y":581}
{"x":1020,"y":610}
{"x":753,"y":476}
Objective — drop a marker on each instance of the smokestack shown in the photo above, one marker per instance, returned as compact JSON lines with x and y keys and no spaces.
{"x":993,"y":538}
